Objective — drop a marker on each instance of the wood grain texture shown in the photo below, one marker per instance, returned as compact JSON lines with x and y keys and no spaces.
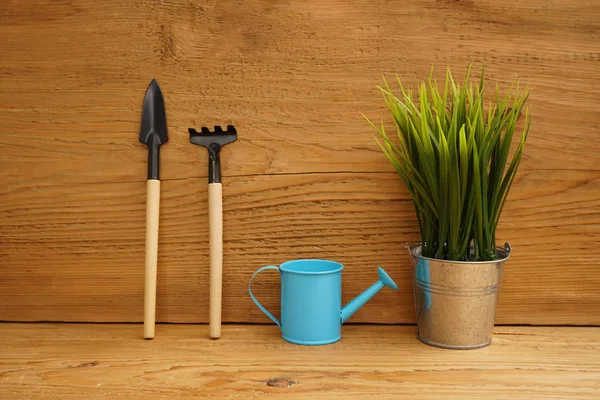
{"x":361,"y":220}
{"x":58,"y":361}
{"x":293,"y":78}
{"x":305,"y":177}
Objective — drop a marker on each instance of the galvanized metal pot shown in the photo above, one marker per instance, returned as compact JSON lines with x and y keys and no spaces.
{"x":456,"y":300}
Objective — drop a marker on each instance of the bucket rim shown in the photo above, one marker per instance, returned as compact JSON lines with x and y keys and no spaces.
{"x":505,"y":251}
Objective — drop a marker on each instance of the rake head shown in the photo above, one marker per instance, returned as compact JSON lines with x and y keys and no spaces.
{"x":218,"y":137}
{"x":213,"y":141}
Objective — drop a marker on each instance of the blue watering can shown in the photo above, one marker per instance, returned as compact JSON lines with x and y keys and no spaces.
{"x":311,"y":297}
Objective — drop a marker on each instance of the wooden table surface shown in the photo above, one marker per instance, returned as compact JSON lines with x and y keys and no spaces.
{"x":89,"y":361}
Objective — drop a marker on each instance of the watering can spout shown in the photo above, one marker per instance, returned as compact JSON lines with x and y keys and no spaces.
{"x":360,"y":300}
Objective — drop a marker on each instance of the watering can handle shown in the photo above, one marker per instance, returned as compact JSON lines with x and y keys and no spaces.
{"x":268,"y":314}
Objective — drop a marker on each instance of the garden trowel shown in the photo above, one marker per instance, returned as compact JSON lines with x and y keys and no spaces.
{"x":153,"y":133}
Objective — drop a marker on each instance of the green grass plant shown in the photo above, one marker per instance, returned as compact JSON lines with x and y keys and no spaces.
{"x":452,"y":154}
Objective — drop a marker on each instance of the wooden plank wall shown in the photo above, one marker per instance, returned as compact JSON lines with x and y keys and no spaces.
{"x":305,"y":179}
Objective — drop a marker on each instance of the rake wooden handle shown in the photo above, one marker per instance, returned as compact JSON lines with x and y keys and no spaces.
{"x":215,"y":213}
{"x":152,"y":207}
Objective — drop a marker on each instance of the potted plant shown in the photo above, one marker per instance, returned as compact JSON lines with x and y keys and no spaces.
{"x":452,"y":154}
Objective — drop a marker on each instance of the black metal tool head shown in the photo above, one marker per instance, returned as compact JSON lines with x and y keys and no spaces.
{"x":207,"y":138}
{"x":213,"y":141}
{"x":154,"y":118}
{"x":153,"y":128}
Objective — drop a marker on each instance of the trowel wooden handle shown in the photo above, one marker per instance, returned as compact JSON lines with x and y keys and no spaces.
{"x":152,"y":207}
{"x":215,"y":213}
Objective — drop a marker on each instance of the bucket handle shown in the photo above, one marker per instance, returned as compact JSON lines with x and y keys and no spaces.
{"x":268,"y":314}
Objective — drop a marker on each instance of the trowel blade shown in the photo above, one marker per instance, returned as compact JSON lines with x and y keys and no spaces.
{"x":154,"y":118}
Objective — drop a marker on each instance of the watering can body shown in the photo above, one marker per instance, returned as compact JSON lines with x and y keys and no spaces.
{"x":311,"y":293}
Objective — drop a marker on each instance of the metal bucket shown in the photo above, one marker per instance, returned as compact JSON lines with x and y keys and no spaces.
{"x":456,"y":301}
